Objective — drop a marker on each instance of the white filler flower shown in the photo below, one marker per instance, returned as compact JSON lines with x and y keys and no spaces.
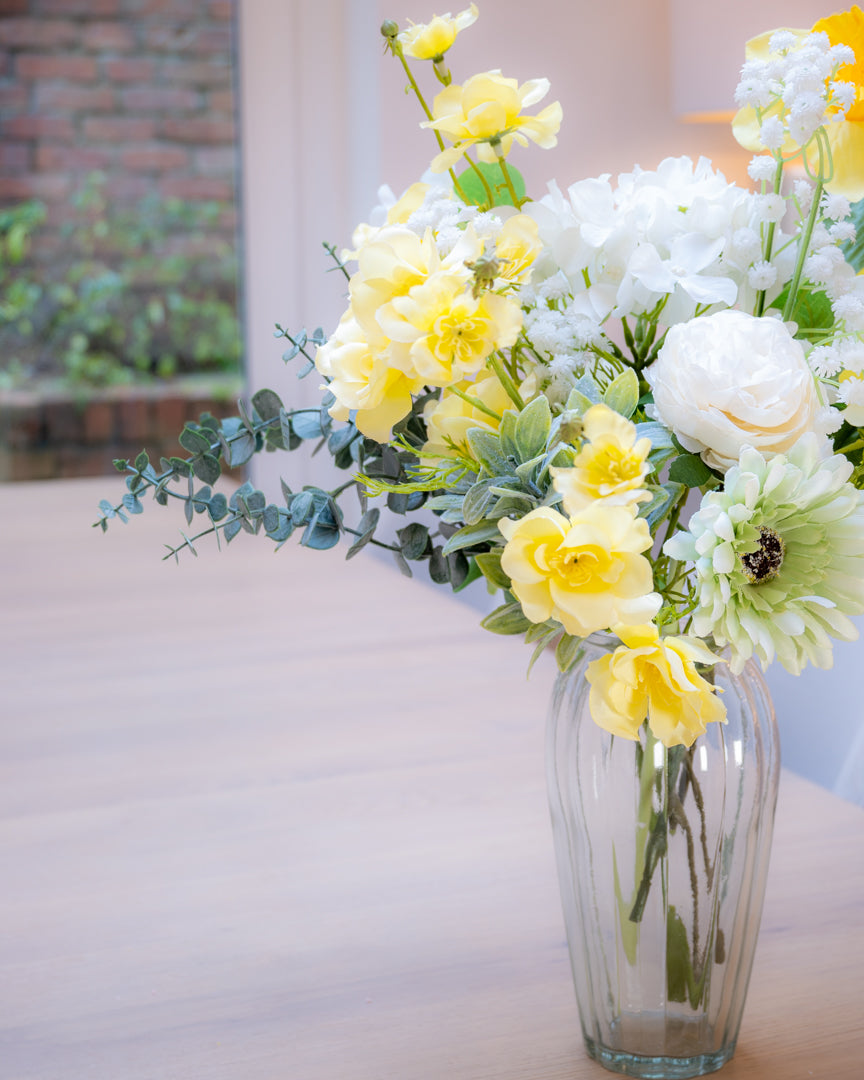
{"x":779,"y":557}
{"x":730,"y":380}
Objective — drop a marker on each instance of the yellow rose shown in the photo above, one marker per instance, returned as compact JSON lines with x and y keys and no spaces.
{"x":449,"y":419}
{"x":443,"y":332}
{"x":517,"y":246}
{"x":586,"y":571}
{"x":654,"y":678}
{"x":363,"y":381}
{"x":429,"y":41}
{"x":488,"y":109}
{"x":611,"y":465}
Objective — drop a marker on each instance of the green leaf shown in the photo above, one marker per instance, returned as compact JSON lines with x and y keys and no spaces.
{"x":532,"y":428}
{"x":662,"y":501}
{"x":414,"y":540}
{"x":578,"y":403}
{"x":679,"y":966}
{"x":217,"y":507}
{"x":439,"y":568}
{"x":812,"y":309}
{"x":142,"y":461}
{"x":622,"y":394}
{"x":567,"y":652}
{"x":490,"y":566}
{"x":507,"y":619}
{"x":240,"y":449}
{"x":475,"y":193}
{"x":366,"y":527}
{"x":471,"y":535}
{"x":463,"y":571}
{"x":319,"y":535}
{"x":477,"y":501}
{"x":193,"y":442}
{"x":690,"y":470}
{"x":486,"y":448}
{"x":267,"y":404}
{"x":507,"y":433}
{"x":587,"y":386}
{"x":854,"y":250}
{"x":207,"y":468}
{"x":132,"y":503}
{"x":307,"y":424}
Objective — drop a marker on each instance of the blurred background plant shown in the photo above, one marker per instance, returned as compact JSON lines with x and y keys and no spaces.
{"x":131,"y":299}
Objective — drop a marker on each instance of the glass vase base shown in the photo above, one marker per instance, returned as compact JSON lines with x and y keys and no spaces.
{"x":658,"y":1066}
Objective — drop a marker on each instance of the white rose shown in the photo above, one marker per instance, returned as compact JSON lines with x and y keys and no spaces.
{"x":730,"y":380}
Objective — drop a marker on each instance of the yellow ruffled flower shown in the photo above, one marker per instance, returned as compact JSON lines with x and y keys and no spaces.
{"x":362,"y":380}
{"x":611,"y":465}
{"x":443,"y":332}
{"x":516,"y":247}
{"x":449,"y":419}
{"x":654,"y":678}
{"x":487,"y":110}
{"x":845,"y":138}
{"x":586,"y":571}
{"x":429,"y":41}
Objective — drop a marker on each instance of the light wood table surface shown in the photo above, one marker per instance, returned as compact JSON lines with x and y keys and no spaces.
{"x":282,"y":817}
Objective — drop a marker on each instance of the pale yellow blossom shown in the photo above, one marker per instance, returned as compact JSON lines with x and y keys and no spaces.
{"x":443,"y":332}
{"x":516,"y":247}
{"x":429,"y":41}
{"x":449,"y":419}
{"x":654,"y":678}
{"x":611,"y":465}
{"x":586,"y":571}
{"x":487,"y":110}
{"x":362,"y":381}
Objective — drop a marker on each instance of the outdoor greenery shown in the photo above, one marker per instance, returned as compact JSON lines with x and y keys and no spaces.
{"x":133,"y":293}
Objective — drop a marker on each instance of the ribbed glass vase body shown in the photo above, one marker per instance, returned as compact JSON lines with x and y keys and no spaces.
{"x":662,"y":859}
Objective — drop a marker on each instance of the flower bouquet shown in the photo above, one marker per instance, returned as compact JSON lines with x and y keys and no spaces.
{"x":636,"y":409}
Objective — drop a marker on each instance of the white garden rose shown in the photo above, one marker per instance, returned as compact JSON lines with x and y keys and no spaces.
{"x":729,"y":380}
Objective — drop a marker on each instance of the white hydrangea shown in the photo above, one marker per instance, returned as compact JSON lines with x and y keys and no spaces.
{"x":762,"y":276}
{"x":771,"y":207}
{"x":825,"y":361}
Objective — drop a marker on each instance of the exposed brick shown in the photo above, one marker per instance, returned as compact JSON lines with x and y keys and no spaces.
{"x":71,"y":158}
{"x":75,"y":461}
{"x":213,"y":39}
{"x":89,"y":99}
{"x":118,"y":129}
{"x":221,"y":101}
{"x":48,"y":186}
{"x":39,"y":127}
{"x":168,"y":415}
{"x":205,"y":73}
{"x":13,"y":96}
{"x":126,"y":190}
{"x":77,"y":7}
{"x":64,"y":421}
{"x":14,"y":7}
{"x":197,"y":187}
{"x":15,"y":157}
{"x":155,"y":159}
{"x":221,"y":9}
{"x":216,"y":161}
{"x":31,"y":33}
{"x":176,"y":9}
{"x":108,"y":37}
{"x":99,"y":421}
{"x":40,"y":66}
{"x":22,"y":423}
{"x":195,"y":130}
{"x":130,"y":70}
{"x":133,"y":419}
{"x":155,"y":99}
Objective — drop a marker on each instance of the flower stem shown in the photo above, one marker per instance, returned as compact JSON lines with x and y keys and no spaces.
{"x":769,"y":238}
{"x":804,"y":242}
{"x":475,"y":403}
{"x":506,"y":381}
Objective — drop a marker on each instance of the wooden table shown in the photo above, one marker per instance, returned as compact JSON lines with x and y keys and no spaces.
{"x":281,"y":817}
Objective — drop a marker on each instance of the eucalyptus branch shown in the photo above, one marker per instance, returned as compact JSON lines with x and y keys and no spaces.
{"x":331,"y":251}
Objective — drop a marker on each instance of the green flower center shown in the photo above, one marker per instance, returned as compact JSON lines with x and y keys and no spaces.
{"x":764,"y":563}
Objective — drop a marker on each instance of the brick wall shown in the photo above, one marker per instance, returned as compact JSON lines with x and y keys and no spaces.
{"x":138,"y":89}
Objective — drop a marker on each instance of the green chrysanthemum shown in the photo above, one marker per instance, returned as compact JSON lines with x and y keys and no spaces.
{"x":779,"y":557}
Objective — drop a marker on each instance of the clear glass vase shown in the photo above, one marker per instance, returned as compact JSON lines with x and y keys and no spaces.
{"x":662,"y":859}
